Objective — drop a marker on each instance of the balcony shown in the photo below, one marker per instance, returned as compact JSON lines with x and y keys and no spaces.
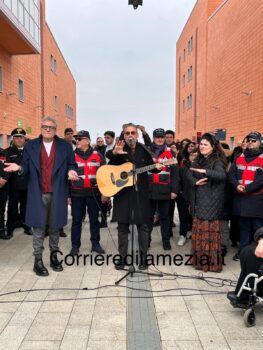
{"x":20,"y":26}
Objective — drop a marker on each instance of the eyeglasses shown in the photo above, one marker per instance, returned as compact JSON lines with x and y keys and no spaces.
{"x":130,"y":133}
{"x":252,"y":140}
{"x":48,"y":127}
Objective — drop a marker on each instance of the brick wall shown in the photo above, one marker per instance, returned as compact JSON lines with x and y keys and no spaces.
{"x":229,"y":70}
{"x":40,"y":87}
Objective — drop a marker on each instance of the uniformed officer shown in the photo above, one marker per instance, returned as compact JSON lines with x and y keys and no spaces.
{"x":3,"y":195}
{"x":17,"y":185}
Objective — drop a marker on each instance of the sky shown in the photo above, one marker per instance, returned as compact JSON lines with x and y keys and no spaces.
{"x":123,"y":60}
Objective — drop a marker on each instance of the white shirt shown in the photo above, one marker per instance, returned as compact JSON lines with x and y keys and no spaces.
{"x":48,"y":146}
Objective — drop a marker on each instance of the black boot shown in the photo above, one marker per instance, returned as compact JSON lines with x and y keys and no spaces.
{"x":27,"y":230}
{"x":39,"y":268}
{"x":167,"y":245}
{"x":54,"y":263}
{"x":4,"y":235}
{"x":62,"y":233}
{"x":143,"y":263}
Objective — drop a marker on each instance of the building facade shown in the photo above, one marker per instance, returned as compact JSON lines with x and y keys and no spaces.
{"x":219,"y":82}
{"x":35,"y":79}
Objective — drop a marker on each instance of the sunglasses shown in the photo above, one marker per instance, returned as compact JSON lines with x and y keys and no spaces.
{"x":130,"y":133}
{"x":252,"y":140}
{"x":80,"y":138}
{"x":48,"y":127}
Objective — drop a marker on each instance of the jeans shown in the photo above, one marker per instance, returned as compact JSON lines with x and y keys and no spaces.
{"x":78,"y":209}
{"x":248,"y":227}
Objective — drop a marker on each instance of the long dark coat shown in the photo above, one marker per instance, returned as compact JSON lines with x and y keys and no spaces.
{"x":127,"y":199}
{"x":64,"y":161}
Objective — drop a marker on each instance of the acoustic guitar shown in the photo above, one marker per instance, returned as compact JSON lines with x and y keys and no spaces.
{"x":113,"y":178}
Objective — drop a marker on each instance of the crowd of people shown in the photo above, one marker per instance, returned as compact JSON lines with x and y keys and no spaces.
{"x":218,"y":192}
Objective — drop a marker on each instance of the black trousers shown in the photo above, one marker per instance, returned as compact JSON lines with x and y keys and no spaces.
{"x":163,"y":210}
{"x":171,"y":214}
{"x":16,"y":208}
{"x":143,"y":239}
{"x":3,"y":200}
{"x":234,"y":233}
{"x":249,"y":264}
{"x":184,"y":215}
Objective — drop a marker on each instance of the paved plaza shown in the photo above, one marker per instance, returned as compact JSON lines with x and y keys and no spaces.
{"x":89,"y":312}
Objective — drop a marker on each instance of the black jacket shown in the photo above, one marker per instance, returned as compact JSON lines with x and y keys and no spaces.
{"x":258,"y":234}
{"x":247,"y":204}
{"x":4,"y":175}
{"x":128,"y":202}
{"x":17,"y":182}
{"x":207,"y":201}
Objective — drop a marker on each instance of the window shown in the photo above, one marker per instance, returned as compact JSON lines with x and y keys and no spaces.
{"x":1,"y":79}
{"x":53,"y":64}
{"x":183,"y":105}
{"x":189,"y":101}
{"x":56,"y":103}
{"x":183,"y":80}
{"x":190,"y":73}
{"x":184,"y":55}
{"x":69,"y":111}
{"x":190,"y":45}
{"x":20,"y":90}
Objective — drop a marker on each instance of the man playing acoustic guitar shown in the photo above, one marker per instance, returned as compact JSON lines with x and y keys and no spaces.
{"x":131,"y":206}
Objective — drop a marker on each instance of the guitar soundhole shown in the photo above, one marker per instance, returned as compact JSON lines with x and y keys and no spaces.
{"x":124,"y":175}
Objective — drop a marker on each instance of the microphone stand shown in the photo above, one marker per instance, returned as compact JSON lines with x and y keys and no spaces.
{"x":131,"y":270}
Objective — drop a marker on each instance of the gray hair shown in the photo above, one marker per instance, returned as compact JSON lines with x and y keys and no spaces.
{"x":125,"y":126}
{"x":49,"y":119}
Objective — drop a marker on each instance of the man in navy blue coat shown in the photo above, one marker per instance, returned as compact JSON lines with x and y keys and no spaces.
{"x":49,"y":162}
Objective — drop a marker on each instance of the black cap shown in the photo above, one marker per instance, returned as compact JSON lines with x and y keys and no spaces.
{"x":159,"y":132}
{"x":255,"y":135}
{"x":18,"y":132}
{"x":82,"y":134}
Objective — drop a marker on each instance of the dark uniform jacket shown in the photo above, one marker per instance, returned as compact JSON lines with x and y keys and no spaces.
{"x":248,"y":204}
{"x":17,"y":182}
{"x":127,"y":200}
{"x":4,"y":175}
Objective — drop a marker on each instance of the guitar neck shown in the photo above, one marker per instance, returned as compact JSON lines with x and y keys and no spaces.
{"x":145,"y":168}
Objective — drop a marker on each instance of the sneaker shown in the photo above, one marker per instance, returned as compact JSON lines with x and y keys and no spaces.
{"x":181,"y":240}
{"x":236,"y":257}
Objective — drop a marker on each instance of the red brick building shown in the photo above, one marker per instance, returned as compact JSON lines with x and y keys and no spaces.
{"x":35,"y":79}
{"x":219,"y":60}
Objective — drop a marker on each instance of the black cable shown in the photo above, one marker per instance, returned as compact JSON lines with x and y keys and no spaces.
{"x":108,"y":297}
{"x":106,"y":286}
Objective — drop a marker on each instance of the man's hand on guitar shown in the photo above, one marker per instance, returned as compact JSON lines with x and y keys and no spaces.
{"x":159,"y":166}
{"x":118,"y":149}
